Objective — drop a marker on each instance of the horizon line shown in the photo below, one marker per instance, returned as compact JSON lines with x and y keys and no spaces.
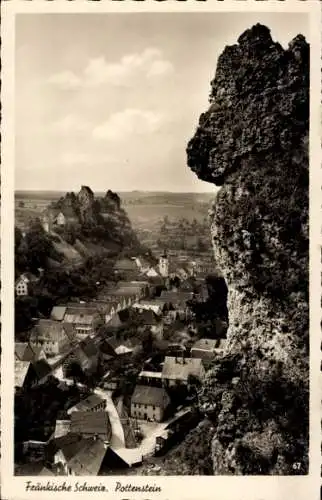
{"x":116,"y":190}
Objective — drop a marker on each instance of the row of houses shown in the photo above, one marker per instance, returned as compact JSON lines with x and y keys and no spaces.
{"x":79,"y":443}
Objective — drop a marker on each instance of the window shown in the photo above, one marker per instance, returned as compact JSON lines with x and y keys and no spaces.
{"x":146,"y":406}
{"x":153,"y":407}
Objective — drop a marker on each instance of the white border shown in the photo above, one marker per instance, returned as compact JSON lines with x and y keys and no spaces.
{"x":184,"y":487}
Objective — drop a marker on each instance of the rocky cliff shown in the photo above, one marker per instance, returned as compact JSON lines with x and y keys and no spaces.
{"x":253,"y":142}
{"x":98,"y":219}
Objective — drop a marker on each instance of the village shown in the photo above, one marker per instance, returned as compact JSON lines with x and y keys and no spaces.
{"x":118,"y":376}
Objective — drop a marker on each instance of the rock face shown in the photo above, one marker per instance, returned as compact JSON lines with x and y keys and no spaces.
{"x":86,"y":204}
{"x":99,"y":219}
{"x":253,"y":141}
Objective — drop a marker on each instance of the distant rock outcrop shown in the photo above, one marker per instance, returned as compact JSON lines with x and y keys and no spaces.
{"x":85,"y":217}
{"x":253,"y":141}
{"x":86,"y":204}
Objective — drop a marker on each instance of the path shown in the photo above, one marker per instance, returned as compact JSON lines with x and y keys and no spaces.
{"x":130,"y":455}
{"x":117,"y":440}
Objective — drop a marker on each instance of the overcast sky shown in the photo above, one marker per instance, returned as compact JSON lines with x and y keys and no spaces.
{"x":111,"y":100}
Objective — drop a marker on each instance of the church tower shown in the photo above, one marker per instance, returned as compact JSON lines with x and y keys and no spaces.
{"x":164,"y":265}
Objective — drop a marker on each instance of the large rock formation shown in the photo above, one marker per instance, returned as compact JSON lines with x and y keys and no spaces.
{"x":253,"y":141}
{"x":99,"y":219}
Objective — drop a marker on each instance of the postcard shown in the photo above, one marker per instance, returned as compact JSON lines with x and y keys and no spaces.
{"x":160,"y":231}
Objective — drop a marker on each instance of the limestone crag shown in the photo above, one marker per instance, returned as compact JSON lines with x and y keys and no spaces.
{"x":253,"y":141}
{"x":95,"y":218}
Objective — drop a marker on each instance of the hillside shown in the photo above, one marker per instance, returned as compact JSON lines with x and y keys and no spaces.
{"x":76,"y":231}
{"x":253,"y":143}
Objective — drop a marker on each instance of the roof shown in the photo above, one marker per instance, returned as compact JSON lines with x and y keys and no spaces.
{"x":176,"y":297}
{"x":62,"y":428}
{"x":206,"y":344}
{"x":26,"y":352}
{"x":177,"y":368}
{"x":70,"y":331}
{"x":155,"y":306}
{"x":88,"y":403}
{"x":58,"y":313}
{"x":116,"y":343}
{"x":88,"y":459}
{"x":27,"y":277}
{"x":125,"y":265}
{"x":127,"y":290}
{"x":133,"y":283}
{"x":41,"y":368}
{"x":78,"y":315}
{"x":87,"y":422}
{"x":123,"y":349}
{"x":21,"y":370}
{"x":107,"y":348}
{"x":145,"y":373}
{"x":156,"y":396}
{"x":69,"y":444}
{"x":48,"y":329}
{"x":33,"y":469}
{"x":89,"y":347}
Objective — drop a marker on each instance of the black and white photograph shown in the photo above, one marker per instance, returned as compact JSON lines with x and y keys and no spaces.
{"x":161,"y":239}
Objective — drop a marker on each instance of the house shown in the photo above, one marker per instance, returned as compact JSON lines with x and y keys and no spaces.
{"x":33,"y":469}
{"x":95,"y":424}
{"x":158,"y":307}
{"x":147,"y":377}
{"x":121,"y":347}
{"x":176,"y":370}
{"x":24,"y":284}
{"x":74,"y":455}
{"x":111,"y":310}
{"x":183,"y":273}
{"x":29,"y":374}
{"x":21,"y":371}
{"x":164,"y":265}
{"x":92,"y":403}
{"x":85,"y":354}
{"x":34,"y":449}
{"x":151,"y":272}
{"x":148,"y":318}
{"x":85,"y":320}
{"x":142,"y":264}
{"x":62,"y":428}
{"x":207,"y":349}
{"x":89,"y":459}
{"x":143,"y":287}
{"x":58,"y":313}
{"x":130,"y":292}
{"x":125,"y":266}
{"x":149,"y":403}
{"x":106,"y":350}
{"x":26,"y":352}
{"x":177,"y":300}
{"x":119,"y":319}
{"x":51,"y":336}
{"x":58,"y":217}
